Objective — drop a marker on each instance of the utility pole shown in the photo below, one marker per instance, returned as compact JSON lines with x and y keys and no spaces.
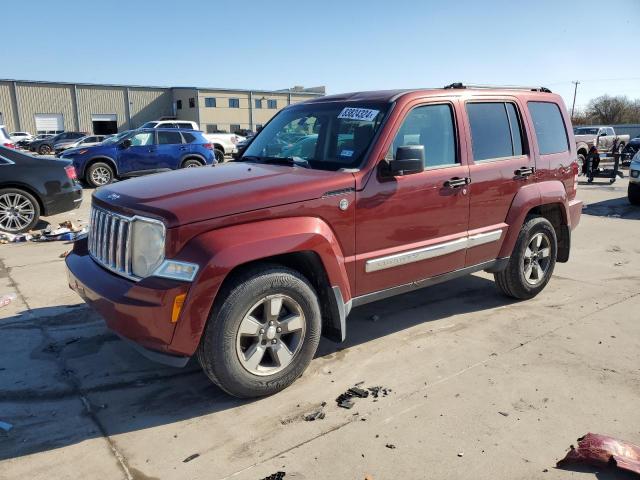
{"x":575,"y":92}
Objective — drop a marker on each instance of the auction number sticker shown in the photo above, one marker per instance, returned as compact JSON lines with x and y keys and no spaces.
{"x":365,"y":114}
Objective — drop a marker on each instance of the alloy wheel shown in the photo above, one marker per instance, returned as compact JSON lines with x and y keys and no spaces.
{"x":270,"y":335}
{"x":16,"y":212}
{"x":537,"y":258}
{"x":100,"y":176}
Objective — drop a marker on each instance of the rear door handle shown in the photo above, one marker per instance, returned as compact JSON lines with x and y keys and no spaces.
{"x":524,"y":171}
{"x":457,"y":182}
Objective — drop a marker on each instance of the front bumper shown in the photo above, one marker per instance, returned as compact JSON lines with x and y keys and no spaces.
{"x":575,"y":211}
{"x":137,"y":311}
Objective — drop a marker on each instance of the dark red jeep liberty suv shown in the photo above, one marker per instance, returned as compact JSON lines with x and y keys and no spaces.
{"x":338,"y":201}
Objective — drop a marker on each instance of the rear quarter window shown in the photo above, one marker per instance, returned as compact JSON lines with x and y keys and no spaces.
{"x":549,"y":127}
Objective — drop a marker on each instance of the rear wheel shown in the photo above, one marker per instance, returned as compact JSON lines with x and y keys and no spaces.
{"x":219,"y":154}
{"x":633,"y":193}
{"x":99,"y":174}
{"x":262,"y":334}
{"x":19,"y":210}
{"x":532,"y":260}
{"x":191,"y":163}
{"x":581,"y":164}
{"x":44,"y":149}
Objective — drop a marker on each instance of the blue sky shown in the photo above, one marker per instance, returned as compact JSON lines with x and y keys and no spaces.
{"x":345,"y":45}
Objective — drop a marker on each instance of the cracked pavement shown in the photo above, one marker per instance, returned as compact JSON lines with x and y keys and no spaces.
{"x":457,"y":357}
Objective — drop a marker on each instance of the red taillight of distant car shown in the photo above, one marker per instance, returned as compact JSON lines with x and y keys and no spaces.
{"x":71,"y":172}
{"x":8,"y":145}
{"x":208,"y":146}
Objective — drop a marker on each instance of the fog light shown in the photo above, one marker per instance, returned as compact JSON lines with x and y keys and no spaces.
{"x":177,"y":270}
{"x":635,"y":173}
{"x":178,"y":302}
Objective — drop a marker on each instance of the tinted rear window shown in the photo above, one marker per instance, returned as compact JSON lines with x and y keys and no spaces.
{"x":169,"y":138}
{"x":495,"y":130}
{"x":189,"y":137}
{"x":549,"y":127}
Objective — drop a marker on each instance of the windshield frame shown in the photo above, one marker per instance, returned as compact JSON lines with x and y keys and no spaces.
{"x":385,"y":107}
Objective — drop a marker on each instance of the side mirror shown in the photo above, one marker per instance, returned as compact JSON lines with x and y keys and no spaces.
{"x":603,"y":134}
{"x":409,"y":160}
{"x":126,"y":143}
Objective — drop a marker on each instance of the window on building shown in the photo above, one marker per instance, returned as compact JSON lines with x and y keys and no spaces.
{"x":258,"y":103}
{"x":234,"y":103}
{"x":495,"y":130}
{"x":233,"y":128}
{"x":192,"y":102}
{"x":212,"y":128}
{"x":272,"y":104}
{"x":179,"y":104}
{"x":549,"y":127}
{"x":433,"y":127}
{"x":210,"y":102}
{"x":169,"y":138}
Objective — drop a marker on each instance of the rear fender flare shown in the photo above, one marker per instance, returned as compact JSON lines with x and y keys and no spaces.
{"x":529,"y":197}
{"x":220,"y":251}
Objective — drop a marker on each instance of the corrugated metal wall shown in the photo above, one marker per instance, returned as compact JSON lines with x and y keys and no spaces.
{"x":149,"y":104}
{"x":633,"y":130}
{"x":45,"y":98}
{"x":97,"y":100}
{"x":6,"y":106}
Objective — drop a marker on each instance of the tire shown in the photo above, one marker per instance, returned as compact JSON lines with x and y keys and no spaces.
{"x":191,"y":163}
{"x":19,"y":210}
{"x":633,"y":193}
{"x":99,"y":174}
{"x":44,"y":149}
{"x":581,"y":164}
{"x":225,"y":354}
{"x":219,"y":154}
{"x":515,"y":281}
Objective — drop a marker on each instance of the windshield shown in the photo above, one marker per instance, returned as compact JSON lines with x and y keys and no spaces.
{"x":325,"y":136}
{"x":114,"y":138}
{"x":585,"y":131}
{"x":149,"y":125}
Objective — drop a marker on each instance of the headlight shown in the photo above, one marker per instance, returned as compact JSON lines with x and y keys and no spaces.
{"x":148,"y":246}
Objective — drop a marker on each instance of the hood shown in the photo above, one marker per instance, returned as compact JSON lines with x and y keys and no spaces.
{"x":197,"y":194}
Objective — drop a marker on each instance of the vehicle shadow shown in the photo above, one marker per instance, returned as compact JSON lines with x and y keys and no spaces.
{"x":67,"y":379}
{"x":603,"y":473}
{"x":615,"y":208}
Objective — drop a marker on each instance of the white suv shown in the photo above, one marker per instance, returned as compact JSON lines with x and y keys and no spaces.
{"x":5,"y":139}
{"x":18,"y":136}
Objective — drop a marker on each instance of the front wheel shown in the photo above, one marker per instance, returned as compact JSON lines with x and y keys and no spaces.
{"x":633,"y":193}
{"x":262,"y":333}
{"x":532,"y":260}
{"x":581,"y":165}
{"x":99,"y":174}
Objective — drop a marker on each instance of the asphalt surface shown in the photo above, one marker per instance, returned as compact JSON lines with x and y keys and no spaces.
{"x":481,"y":387}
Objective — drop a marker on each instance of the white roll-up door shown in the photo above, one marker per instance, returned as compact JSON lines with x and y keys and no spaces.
{"x":104,"y":117}
{"x":49,"y":122}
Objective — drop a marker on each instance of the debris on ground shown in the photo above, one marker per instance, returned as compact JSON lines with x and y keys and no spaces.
{"x":461,"y":454}
{"x":66,"y":231}
{"x":275,"y":476}
{"x":315,"y":415}
{"x":63,"y":254}
{"x":602,"y":450}
{"x":346,"y":399}
{"x":5,"y":427}
{"x":390,"y":446}
{"x":7,"y":299}
{"x":191,"y":457}
{"x":504,"y":414}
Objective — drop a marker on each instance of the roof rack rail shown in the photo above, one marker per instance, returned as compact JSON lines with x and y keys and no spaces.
{"x":460,"y":85}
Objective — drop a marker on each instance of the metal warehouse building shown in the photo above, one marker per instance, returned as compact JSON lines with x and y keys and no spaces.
{"x":51,"y":107}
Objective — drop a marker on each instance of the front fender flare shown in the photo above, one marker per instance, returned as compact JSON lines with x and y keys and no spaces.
{"x":220,"y":251}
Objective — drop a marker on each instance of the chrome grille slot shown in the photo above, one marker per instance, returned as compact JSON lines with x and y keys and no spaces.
{"x":109,"y":241}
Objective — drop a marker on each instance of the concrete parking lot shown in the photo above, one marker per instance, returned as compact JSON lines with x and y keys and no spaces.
{"x":482,"y":387}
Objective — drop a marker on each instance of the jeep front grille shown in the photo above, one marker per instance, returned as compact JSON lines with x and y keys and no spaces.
{"x":110,"y":241}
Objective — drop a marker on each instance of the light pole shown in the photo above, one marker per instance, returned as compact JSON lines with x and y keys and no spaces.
{"x":575,"y":92}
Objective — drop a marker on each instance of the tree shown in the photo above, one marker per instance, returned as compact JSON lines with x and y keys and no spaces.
{"x":609,"y":110}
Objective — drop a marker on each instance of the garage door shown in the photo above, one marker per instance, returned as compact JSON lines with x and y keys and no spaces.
{"x":104,"y":123}
{"x":49,"y":122}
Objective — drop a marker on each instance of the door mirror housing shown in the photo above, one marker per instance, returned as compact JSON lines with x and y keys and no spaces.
{"x":409,"y":160}
{"x":603,"y":134}
{"x":126,"y":143}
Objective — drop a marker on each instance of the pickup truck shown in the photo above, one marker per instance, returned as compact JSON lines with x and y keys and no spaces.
{"x":246,"y":265}
{"x":602,"y":137}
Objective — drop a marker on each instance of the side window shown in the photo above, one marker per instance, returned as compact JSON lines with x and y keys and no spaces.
{"x":167,"y":125}
{"x":610,"y":131}
{"x":188,"y":126}
{"x":433,"y":127}
{"x":188,"y":137}
{"x":495,"y":130}
{"x":549,"y":127}
{"x":142,"y":139}
{"x":169,"y":138}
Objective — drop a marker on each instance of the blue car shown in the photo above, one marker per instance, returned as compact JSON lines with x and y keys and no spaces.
{"x":138,"y":152}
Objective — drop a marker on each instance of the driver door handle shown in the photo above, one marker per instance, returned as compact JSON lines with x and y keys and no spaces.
{"x":524,"y":171}
{"x":457,"y":182}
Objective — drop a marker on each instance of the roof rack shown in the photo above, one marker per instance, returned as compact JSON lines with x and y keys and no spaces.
{"x":460,"y":85}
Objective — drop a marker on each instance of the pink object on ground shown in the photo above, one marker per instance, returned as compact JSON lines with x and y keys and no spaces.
{"x":601,"y":450}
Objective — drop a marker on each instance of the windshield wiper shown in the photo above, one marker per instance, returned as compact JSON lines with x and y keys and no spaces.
{"x":293,"y":161}
{"x":249,"y":158}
